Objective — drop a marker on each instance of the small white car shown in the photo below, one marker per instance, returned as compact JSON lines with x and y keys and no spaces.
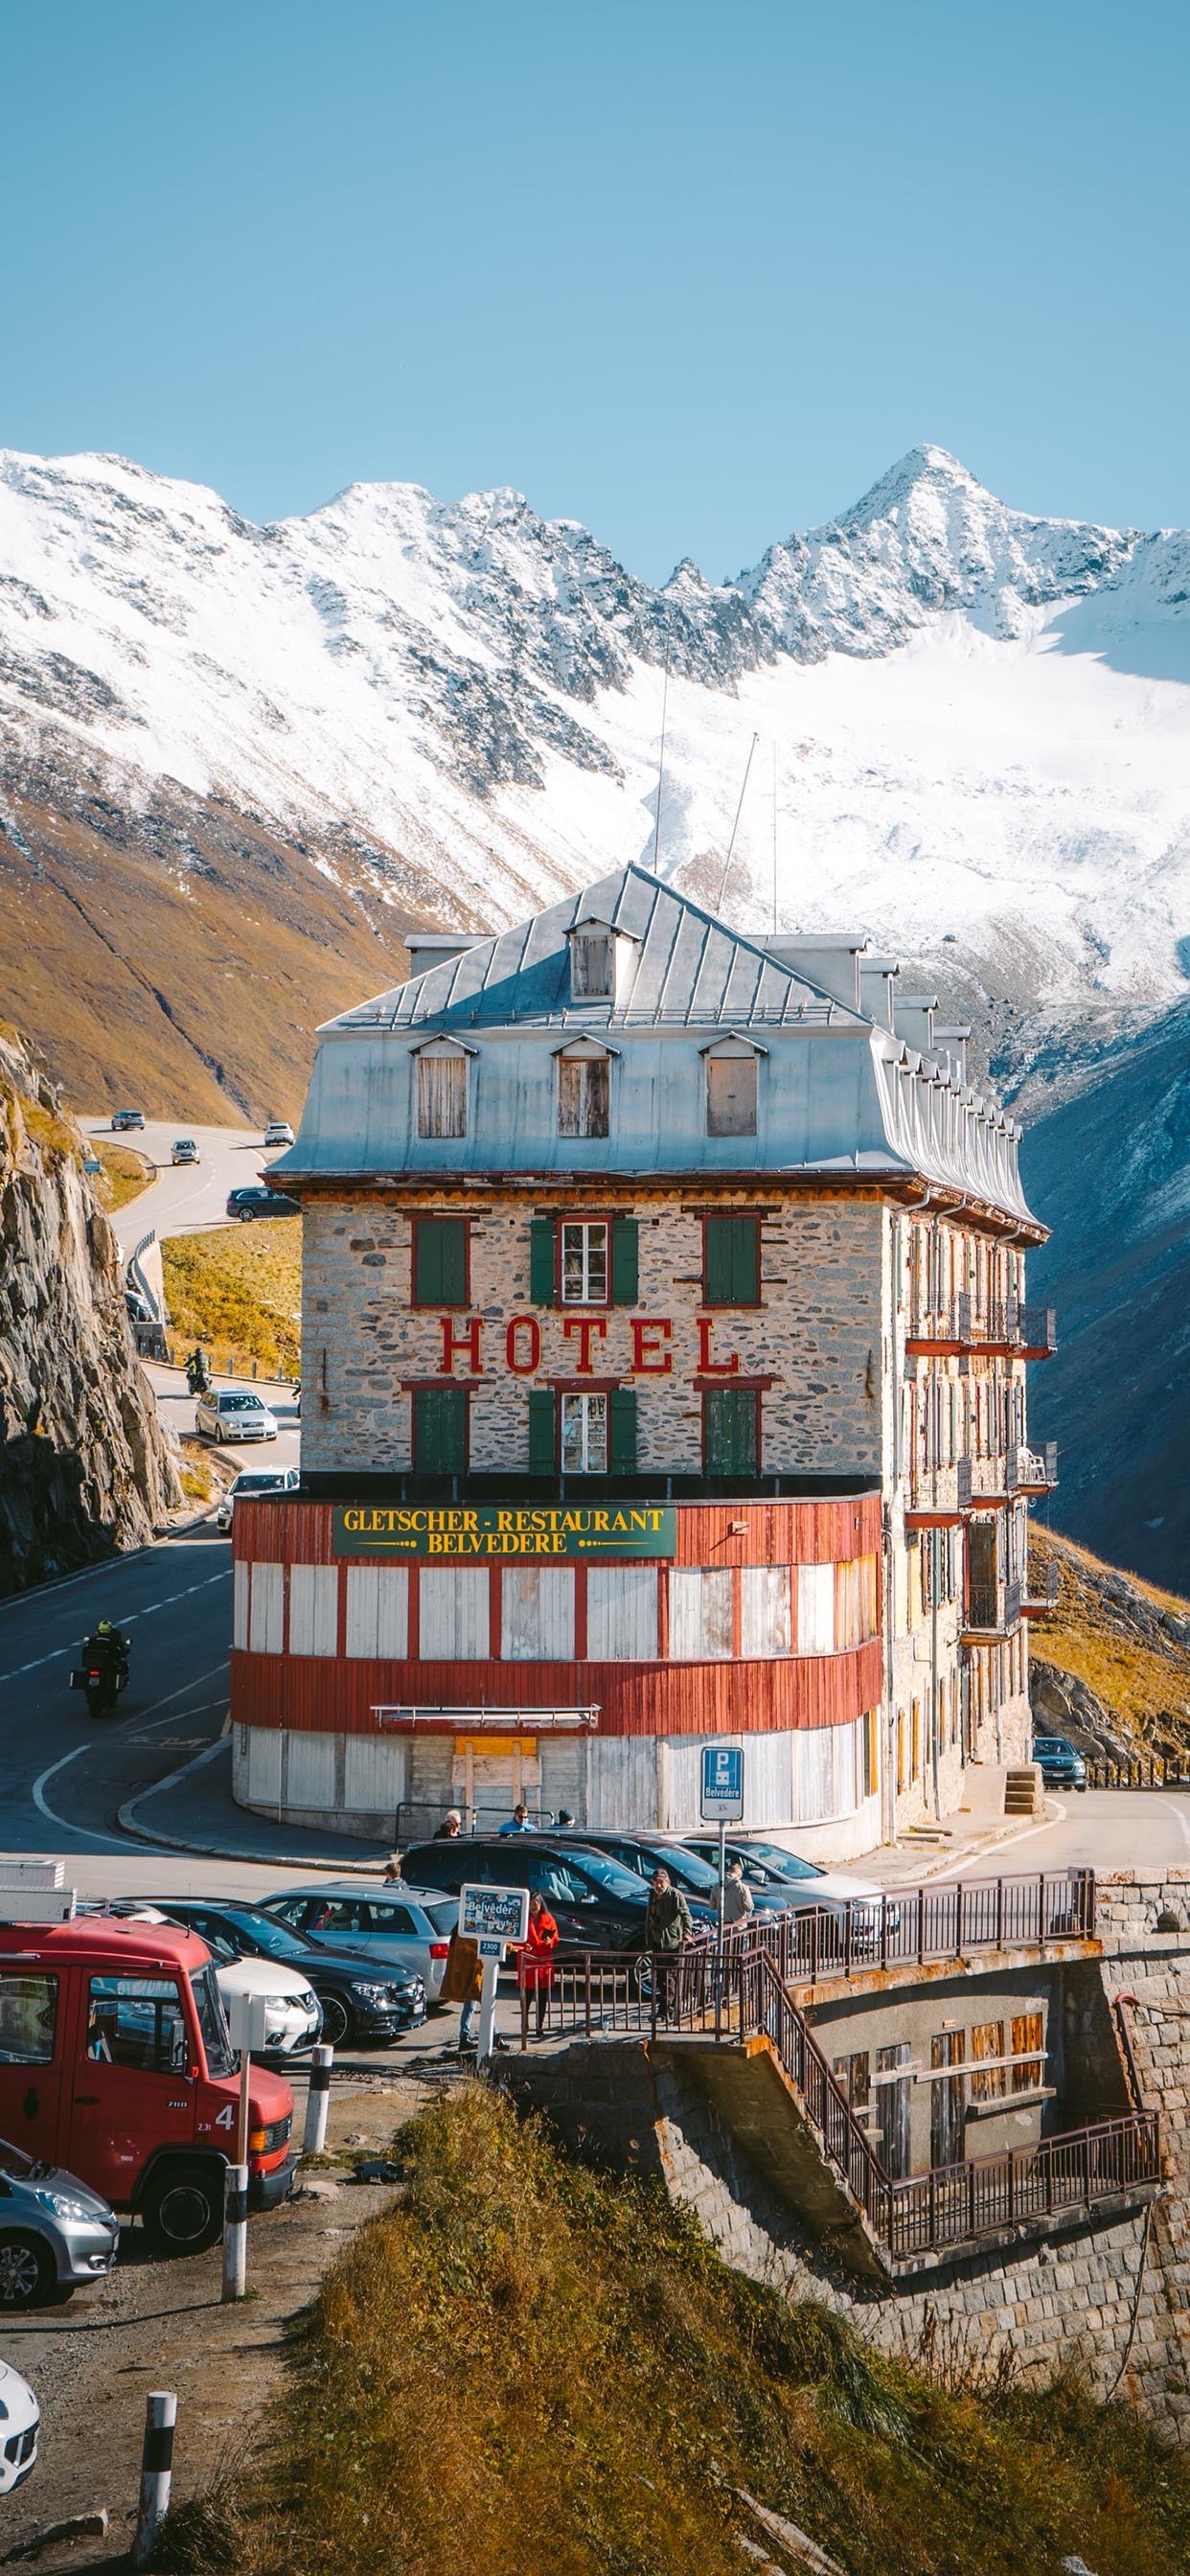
{"x":256,"y":1480}
{"x":20,"y":2423}
{"x":183,"y":1150}
{"x":278,"y":1132}
{"x":293,"y":2014}
{"x":229,"y":1413}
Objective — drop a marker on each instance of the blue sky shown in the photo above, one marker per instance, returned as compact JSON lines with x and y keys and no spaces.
{"x":694,"y":275}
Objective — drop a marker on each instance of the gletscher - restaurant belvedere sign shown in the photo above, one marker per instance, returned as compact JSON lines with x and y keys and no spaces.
{"x":495,"y":1529}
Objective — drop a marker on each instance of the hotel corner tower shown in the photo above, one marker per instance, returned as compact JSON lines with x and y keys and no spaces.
{"x":664,"y":1350}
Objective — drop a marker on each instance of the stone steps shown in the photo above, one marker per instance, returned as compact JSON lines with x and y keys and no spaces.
{"x":1023,"y":1793}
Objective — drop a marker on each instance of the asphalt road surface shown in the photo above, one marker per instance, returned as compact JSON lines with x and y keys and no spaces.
{"x":1101,"y":1829}
{"x":175,"y":1404}
{"x":188,"y":1198}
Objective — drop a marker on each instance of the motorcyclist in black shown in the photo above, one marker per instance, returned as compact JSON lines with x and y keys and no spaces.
{"x":198,"y":1375}
{"x":107,"y":1645}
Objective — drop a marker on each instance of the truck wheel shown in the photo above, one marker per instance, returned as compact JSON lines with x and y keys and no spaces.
{"x":27,"y":2274}
{"x":183,"y":2208}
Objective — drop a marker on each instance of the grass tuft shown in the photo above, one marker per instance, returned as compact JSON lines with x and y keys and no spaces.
{"x":525,"y":2369}
{"x":238,"y":1291}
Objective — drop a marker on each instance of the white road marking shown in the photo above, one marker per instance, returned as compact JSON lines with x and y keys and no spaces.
{"x":128,"y":1621}
{"x":44,"y":1809}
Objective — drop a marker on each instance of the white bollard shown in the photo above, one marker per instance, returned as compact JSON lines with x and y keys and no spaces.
{"x":235,"y":2234}
{"x":318,"y":2099}
{"x":156,"y":2470}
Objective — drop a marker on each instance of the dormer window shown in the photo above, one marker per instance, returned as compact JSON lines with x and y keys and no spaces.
{"x":592,"y":966}
{"x":584,"y":1089}
{"x":442,"y":1089}
{"x":599,"y":955}
{"x":732,"y":1087}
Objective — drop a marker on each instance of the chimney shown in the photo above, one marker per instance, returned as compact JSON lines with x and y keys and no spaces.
{"x":827,"y":958}
{"x":877,"y":978}
{"x":433,"y":947}
{"x":913,"y":1020}
{"x":954,"y":1042}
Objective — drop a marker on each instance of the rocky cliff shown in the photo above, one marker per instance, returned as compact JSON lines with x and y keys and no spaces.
{"x":83,"y":1466}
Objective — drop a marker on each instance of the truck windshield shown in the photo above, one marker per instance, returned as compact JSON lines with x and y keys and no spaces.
{"x":208,"y":2004}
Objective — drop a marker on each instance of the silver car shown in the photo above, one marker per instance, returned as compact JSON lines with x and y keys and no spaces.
{"x":406,"y":1927}
{"x":229,"y":1413}
{"x":55,"y":2232}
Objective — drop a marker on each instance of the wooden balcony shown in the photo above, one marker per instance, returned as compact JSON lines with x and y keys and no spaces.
{"x":939,"y":1495}
{"x":1032,"y":1471}
{"x":991,"y":1612}
{"x":1039,"y":1598}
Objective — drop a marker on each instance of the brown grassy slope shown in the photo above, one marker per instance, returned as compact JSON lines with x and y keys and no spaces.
{"x":125,"y":1174}
{"x":238,"y":1292}
{"x":528,"y":2371}
{"x":1119,"y":1636}
{"x":173,"y":952}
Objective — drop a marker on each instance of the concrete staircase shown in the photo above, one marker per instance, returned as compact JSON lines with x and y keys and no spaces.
{"x":1023,"y":1791}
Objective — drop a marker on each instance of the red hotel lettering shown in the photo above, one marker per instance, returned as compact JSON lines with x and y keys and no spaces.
{"x":648,"y":1357}
{"x":707,"y":1366}
{"x":523,"y":1324}
{"x":460,"y":1338}
{"x":584,"y":1326}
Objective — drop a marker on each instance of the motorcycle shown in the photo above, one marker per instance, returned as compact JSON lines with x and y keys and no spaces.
{"x":198,"y":1377}
{"x":102,"y":1678}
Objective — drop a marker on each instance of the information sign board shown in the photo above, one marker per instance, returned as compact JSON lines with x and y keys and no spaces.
{"x":493,"y":1914}
{"x":478,"y":1531}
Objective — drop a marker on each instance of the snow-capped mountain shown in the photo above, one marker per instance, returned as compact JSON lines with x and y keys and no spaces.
{"x":237,"y":760}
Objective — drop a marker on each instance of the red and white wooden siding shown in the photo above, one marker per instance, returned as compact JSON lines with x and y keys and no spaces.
{"x":321,"y":1641}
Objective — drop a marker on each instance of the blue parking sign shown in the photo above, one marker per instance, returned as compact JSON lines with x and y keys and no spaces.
{"x":723,"y":1783}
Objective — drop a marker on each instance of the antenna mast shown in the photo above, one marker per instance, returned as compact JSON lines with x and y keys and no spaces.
{"x":661,"y":759}
{"x":774,"y":836}
{"x":736,"y":825}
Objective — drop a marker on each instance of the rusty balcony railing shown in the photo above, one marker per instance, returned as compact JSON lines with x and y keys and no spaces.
{"x":991,"y":1610}
{"x":1039,"y":1593}
{"x":1037,"y":1331}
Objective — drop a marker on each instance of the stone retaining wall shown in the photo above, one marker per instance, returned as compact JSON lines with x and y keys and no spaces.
{"x":1112,"y":2294}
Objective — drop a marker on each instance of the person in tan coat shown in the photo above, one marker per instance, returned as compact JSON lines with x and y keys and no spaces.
{"x":462,"y":1983}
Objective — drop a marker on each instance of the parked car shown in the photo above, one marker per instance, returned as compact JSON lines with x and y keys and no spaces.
{"x":230,"y":1413}
{"x":55,"y":2233}
{"x":769,"y":1866}
{"x":278,"y":1132}
{"x":596,"y":1903}
{"x":20,"y":2423}
{"x":125,"y":1119}
{"x":254,"y":1200}
{"x":183,"y":1150}
{"x":401,"y":1926}
{"x":256,"y":1480}
{"x":115,"y":2062}
{"x":293,"y":2016}
{"x":695,"y":1875}
{"x":360,"y":2002}
{"x":1059,"y":1761}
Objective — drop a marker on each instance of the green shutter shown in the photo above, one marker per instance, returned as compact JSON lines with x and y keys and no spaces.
{"x":541,"y":1430}
{"x":440,"y":1430}
{"x":624,"y":1261}
{"x":440,"y":1261}
{"x":732,"y":1261}
{"x":622,"y":1429}
{"x":541,"y":1260}
{"x":730,"y":1442}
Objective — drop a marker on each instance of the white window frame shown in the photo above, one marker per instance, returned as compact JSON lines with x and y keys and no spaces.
{"x":587,"y":1228}
{"x":591,"y":1414}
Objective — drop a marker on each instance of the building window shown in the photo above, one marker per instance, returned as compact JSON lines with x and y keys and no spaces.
{"x":585,"y":1264}
{"x":584,"y":1435}
{"x":731,"y":1261}
{"x":700,"y":1614}
{"x":869,"y":1727}
{"x":853,"y":2075}
{"x":988,"y":2083}
{"x":583,"y":1095}
{"x":731,"y":1430}
{"x":592,"y":965}
{"x":440,"y":1261}
{"x":766,"y":1611}
{"x":816,"y":1610}
{"x":622,"y":1613}
{"x":440,"y":1430}
{"x":442,"y":1095}
{"x":1028,"y":2034}
{"x":731,"y":1095}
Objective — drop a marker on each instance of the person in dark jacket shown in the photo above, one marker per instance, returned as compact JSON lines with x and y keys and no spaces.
{"x":668,"y":1921}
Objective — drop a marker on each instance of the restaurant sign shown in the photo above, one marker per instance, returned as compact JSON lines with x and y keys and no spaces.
{"x":476,"y":1530}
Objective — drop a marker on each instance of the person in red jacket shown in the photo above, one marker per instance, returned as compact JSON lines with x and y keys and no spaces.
{"x":535,"y":1965}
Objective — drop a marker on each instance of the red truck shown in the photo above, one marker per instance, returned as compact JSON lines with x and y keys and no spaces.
{"x":116,"y":2065}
